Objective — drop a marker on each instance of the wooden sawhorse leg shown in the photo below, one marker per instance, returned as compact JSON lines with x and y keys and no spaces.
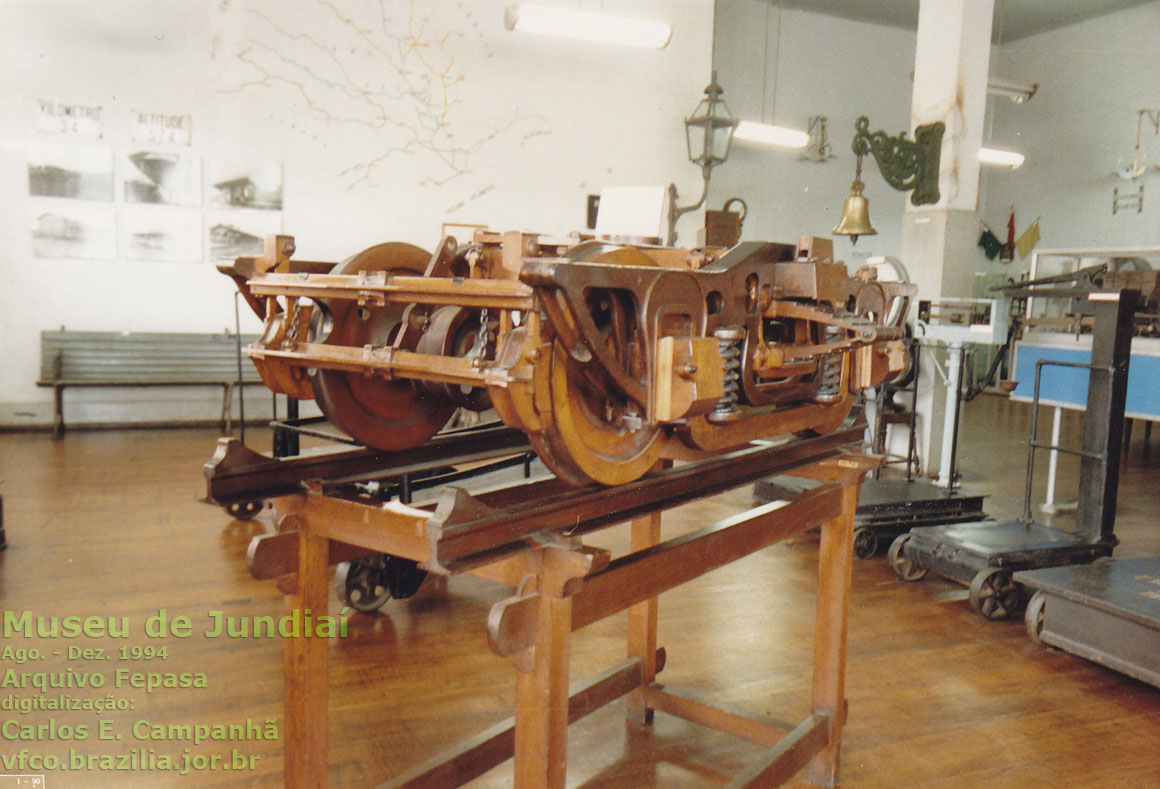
{"x":542,"y":698}
{"x":541,"y":736}
{"x":835,"y":565}
{"x":569,"y":586}
{"x":642,"y":623}
{"x":306,"y":668}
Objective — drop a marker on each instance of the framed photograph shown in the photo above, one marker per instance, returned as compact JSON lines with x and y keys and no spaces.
{"x":75,"y":172}
{"x":233,"y":184}
{"x":65,"y":229}
{"x":230,"y":234}
{"x":161,"y":233}
{"x":161,"y":178}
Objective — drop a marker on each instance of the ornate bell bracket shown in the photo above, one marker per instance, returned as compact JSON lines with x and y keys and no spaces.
{"x":905,"y":164}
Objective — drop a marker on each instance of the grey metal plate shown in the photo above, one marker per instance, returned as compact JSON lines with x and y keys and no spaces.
{"x":962,"y":550}
{"x":1130,"y":645}
{"x":988,"y":538}
{"x":899,"y":492}
{"x":1129,"y":588}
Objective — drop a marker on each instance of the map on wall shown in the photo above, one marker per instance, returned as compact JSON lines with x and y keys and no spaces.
{"x":375,"y":82}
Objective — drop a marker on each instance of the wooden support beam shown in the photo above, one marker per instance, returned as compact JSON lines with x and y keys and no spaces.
{"x":462,"y":538}
{"x":391,"y":527}
{"x":642,"y":620}
{"x":566,"y":586}
{"x":273,"y":555}
{"x":638,"y":576}
{"x":789,"y":756}
{"x":835,"y":566}
{"x":236,"y":473}
{"x":642,"y":575}
{"x":739,"y":723}
{"x":496,"y":745}
{"x":541,"y":737}
{"x":305,"y":668}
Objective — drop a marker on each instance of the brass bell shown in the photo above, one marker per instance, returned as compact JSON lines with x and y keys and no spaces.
{"x":855,"y":215}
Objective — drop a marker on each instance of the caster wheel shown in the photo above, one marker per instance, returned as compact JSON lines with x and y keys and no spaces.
{"x":865,"y":543}
{"x":1033,"y":616}
{"x":403,"y":577}
{"x":243,"y":510}
{"x":904,"y":567}
{"x":362,"y":583}
{"x":994,"y":595}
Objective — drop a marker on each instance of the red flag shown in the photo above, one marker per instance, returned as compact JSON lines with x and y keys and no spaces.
{"x":1007,"y":251}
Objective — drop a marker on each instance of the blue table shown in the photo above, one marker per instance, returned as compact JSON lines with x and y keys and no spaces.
{"x":1066,"y":387}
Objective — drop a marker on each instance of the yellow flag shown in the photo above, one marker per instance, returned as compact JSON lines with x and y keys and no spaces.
{"x":1026,"y":242}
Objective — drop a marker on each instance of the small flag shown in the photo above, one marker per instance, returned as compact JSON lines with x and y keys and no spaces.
{"x":990,"y":243}
{"x":1007,"y":251}
{"x":1026,"y":242}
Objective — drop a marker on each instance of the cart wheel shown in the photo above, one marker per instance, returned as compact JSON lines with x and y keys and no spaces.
{"x":362,"y":583}
{"x":243,"y":510}
{"x":903,"y":566}
{"x":1033,"y":617}
{"x":865,"y":543}
{"x":403,"y":577}
{"x":994,"y":595}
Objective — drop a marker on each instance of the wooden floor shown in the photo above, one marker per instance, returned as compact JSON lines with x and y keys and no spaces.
{"x":107,"y":524}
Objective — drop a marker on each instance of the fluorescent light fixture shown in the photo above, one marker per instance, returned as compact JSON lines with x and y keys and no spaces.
{"x":1018,"y":92}
{"x":1009,"y":159}
{"x":752,"y":131}
{"x":587,"y":26}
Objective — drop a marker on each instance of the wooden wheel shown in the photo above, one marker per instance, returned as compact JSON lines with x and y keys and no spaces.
{"x":593,"y":437}
{"x":593,"y":432}
{"x":392,"y":415}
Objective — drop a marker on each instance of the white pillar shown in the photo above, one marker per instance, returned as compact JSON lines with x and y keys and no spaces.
{"x":951,"y":63}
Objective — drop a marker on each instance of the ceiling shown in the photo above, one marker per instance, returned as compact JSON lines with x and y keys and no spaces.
{"x":1019,"y":18}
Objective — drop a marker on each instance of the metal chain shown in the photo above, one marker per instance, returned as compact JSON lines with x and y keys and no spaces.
{"x":480,"y":345}
{"x":292,"y":331}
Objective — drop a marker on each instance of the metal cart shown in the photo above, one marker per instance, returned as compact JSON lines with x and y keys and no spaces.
{"x":987,"y":555}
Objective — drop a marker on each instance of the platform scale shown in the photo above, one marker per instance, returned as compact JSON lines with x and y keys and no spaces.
{"x":1107,"y":611}
{"x":987,"y":555}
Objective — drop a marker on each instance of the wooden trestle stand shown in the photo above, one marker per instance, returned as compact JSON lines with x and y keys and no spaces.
{"x":506,"y":535}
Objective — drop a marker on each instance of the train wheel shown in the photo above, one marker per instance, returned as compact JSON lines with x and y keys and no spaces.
{"x":392,"y":415}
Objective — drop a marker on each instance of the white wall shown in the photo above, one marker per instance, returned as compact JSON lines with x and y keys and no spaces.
{"x":1075,"y":132}
{"x":827,"y":66}
{"x":449,"y":117}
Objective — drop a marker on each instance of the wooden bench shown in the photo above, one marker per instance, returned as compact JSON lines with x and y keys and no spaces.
{"x":90,"y":358}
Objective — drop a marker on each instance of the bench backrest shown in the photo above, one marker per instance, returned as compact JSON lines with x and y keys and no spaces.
{"x":142,"y":357}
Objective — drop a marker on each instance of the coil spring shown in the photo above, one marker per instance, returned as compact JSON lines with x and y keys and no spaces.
{"x":729,"y":346}
{"x":831,"y":382}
